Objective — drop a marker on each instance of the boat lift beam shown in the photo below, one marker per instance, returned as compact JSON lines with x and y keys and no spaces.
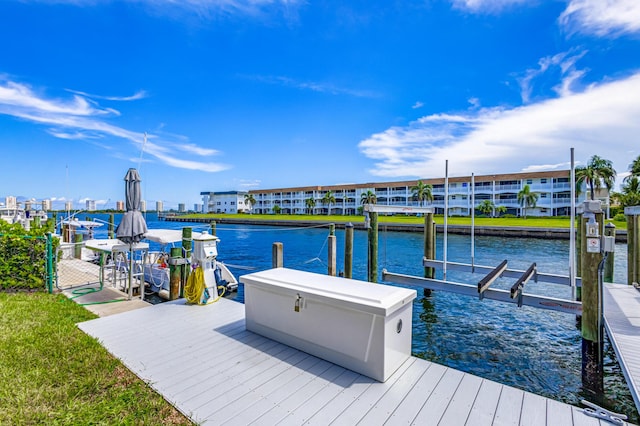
{"x":516,"y":289}
{"x":542,"y":302}
{"x":487,"y":280}
{"x":508,"y":273}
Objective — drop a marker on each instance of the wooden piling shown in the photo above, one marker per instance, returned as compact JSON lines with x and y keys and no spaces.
{"x":212,"y":224}
{"x":429,"y":243}
{"x":372,"y":254}
{"x":331,"y":255}
{"x":277,"y":255}
{"x":77,"y":248}
{"x":348,"y":251}
{"x":610,"y":231}
{"x":187,"y":246}
{"x":631,"y":240}
{"x":175,"y":273}
{"x":636,"y":249}
{"x":111,"y":225}
{"x":592,"y":346}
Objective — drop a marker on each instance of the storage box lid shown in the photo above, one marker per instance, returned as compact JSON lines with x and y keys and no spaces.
{"x":374,"y":298}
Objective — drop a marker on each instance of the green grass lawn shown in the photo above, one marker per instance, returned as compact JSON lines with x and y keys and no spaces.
{"x":53,"y":373}
{"x":508,"y":222}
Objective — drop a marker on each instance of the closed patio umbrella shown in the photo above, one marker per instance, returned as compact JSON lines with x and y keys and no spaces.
{"x":132,"y":227}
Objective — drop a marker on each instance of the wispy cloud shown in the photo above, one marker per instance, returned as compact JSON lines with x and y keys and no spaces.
{"x":601,"y":120}
{"x":489,"y":6}
{"x":602,"y":18}
{"x":320,"y":87}
{"x":563,"y":64}
{"x":417,"y":105}
{"x":140,"y":94}
{"x":81,"y":119}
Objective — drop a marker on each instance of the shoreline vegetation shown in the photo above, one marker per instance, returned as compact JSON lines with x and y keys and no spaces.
{"x":530,"y":227}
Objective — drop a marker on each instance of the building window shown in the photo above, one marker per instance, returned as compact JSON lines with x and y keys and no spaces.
{"x":529,"y":181}
{"x":543,"y":180}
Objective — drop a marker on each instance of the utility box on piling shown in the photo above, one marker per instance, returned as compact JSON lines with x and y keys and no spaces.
{"x":358,"y":325}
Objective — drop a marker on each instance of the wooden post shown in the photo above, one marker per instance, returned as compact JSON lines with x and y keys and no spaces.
{"x":348,"y":251}
{"x":331,"y":255}
{"x":636,"y":249}
{"x":77,"y":248}
{"x":610,"y":231}
{"x":372,"y":257}
{"x":175,"y":273}
{"x":187,"y":246}
{"x":213,"y":227}
{"x":592,"y":346}
{"x":579,"y":238}
{"x":111,"y":225}
{"x":277,"y":255}
{"x":631,"y":240}
{"x":429,"y":247}
{"x":332,"y":229}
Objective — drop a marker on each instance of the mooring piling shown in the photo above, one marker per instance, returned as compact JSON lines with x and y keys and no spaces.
{"x":609,"y":231}
{"x":277,"y":255}
{"x":176,"y":262}
{"x":592,"y":327}
{"x":372,"y":253}
{"x":111,"y":225}
{"x":348,"y":250}
{"x":332,"y":251}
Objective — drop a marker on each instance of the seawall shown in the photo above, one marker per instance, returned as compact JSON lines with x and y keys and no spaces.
{"x":494,"y":231}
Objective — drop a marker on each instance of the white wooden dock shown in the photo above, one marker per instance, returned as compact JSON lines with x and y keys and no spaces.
{"x":622,"y":322}
{"x":204,"y":362}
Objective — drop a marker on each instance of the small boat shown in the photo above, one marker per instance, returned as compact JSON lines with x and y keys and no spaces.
{"x":156,"y":268}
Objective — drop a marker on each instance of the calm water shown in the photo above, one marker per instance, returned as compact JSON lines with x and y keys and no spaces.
{"x":528,"y":348}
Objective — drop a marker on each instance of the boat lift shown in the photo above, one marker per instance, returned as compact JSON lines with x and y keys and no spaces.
{"x":483,"y":288}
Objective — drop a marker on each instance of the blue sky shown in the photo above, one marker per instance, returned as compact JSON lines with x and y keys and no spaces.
{"x":250,"y":94}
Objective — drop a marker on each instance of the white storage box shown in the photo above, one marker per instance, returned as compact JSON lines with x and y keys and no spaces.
{"x":361,"y":326}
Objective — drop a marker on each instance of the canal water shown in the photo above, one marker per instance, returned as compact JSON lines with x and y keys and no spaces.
{"x":531,"y":349}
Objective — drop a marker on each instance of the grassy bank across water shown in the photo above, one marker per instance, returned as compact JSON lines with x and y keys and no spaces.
{"x":498,"y":222}
{"x":53,"y":373}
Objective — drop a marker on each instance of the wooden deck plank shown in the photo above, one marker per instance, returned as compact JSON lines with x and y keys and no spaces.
{"x":484,"y":407}
{"x":462,"y":401}
{"x":410,"y":406}
{"x":436,"y":405}
{"x":534,"y":410}
{"x":622,"y":323}
{"x":204,"y":361}
{"x":509,"y":407}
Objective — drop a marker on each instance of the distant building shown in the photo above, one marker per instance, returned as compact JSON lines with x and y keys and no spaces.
{"x":224,"y":202}
{"x":90,"y":205}
{"x":46,"y":205}
{"x":120,"y":205}
{"x":159,"y":206}
{"x":68,"y":205}
{"x":11,"y":202}
{"x":143,"y":206}
{"x":181,"y":208}
{"x":553,"y":189}
{"x":198,"y":208}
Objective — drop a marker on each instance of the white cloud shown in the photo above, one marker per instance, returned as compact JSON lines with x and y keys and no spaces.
{"x":313,"y":86}
{"x":602,"y":17}
{"x":488,"y":6}
{"x":564,"y":63}
{"x":140,"y":94}
{"x":417,"y":105}
{"x":81,"y":119}
{"x":600,"y":120}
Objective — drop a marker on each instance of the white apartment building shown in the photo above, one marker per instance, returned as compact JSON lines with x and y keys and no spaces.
{"x":90,"y":205}
{"x":553,"y":189}
{"x":159,"y":206}
{"x":224,"y":202}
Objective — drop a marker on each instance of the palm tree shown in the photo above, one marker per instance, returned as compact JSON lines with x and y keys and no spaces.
{"x":250,"y":200}
{"x":276,"y":209}
{"x":329,"y":199}
{"x":310,"y":203}
{"x":526,"y":198}
{"x":486,"y":207}
{"x":422,"y":192}
{"x":634,"y":169}
{"x":598,"y":171}
{"x":368,"y":197}
{"x":630,"y":195}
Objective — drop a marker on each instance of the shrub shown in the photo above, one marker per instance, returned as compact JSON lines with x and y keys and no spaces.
{"x":620,"y":217}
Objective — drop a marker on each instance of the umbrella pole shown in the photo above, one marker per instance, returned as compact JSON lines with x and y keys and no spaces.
{"x":130,"y":271}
